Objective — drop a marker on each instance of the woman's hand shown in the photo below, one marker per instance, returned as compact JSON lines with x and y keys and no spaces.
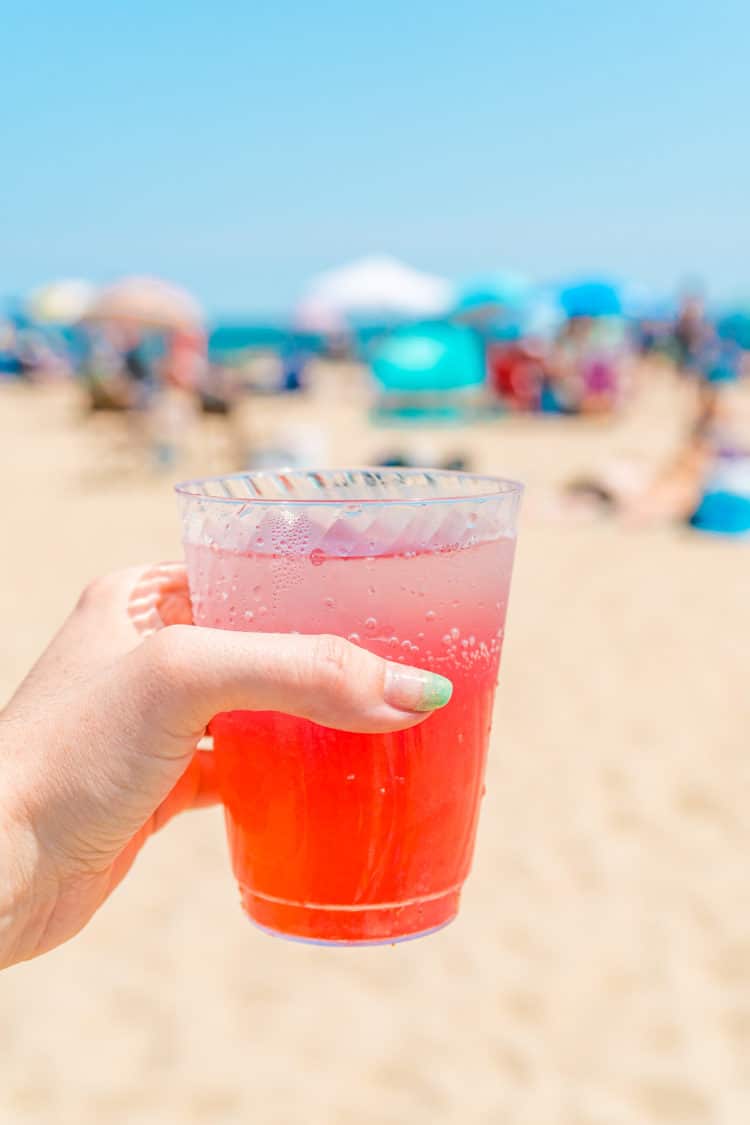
{"x":98,"y":746}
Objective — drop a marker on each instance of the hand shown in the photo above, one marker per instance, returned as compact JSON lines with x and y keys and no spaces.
{"x":98,"y":746}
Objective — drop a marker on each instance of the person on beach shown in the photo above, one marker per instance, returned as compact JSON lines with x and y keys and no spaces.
{"x":584,"y":370}
{"x":692,"y":331}
{"x":98,"y":747}
{"x":179,"y":373}
{"x":706,"y":484}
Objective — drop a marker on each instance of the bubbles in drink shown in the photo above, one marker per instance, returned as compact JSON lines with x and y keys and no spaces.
{"x":449,"y":631}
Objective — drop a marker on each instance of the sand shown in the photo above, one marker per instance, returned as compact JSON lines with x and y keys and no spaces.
{"x":599,"y":973}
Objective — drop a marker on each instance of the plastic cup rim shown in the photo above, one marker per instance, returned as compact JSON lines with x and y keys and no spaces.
{"x":497,"y":487}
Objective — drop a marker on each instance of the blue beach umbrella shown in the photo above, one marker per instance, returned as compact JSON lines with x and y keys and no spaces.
{"x":735,"y":327}
{"x":591,"y":298}
{"x":429,"y":358}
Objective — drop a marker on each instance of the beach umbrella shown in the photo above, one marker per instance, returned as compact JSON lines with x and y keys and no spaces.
{"x":61,"y":302}
{"x":378,"y":288}
{"x":591,"y":298}
{"x":439,"y":357}
{"x":149,"y":302}
{"x":492,"y":295}
{"x":735,"y":327}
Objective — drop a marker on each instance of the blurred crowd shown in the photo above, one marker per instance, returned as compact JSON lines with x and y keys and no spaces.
{"x":141,"y":348}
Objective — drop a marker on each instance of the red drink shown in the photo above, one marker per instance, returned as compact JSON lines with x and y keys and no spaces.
{"x":342,"y":837}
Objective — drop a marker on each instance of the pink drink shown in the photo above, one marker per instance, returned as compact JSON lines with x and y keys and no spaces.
{"x":345,"y":837}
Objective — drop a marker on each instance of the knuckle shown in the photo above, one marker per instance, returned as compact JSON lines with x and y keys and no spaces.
{"x":101,"y":591}
{"x":97,"y":591}
{"x":331,"y":662}
{"x":166,"y":652}
{"x":166,"y":679}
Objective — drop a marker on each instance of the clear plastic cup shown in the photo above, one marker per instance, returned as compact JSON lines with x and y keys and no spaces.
{"x":356,"y":838}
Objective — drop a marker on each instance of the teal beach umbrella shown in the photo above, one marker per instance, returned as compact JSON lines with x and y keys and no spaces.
{"x":429,"y":358}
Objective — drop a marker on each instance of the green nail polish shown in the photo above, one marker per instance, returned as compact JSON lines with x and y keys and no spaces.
{"x":436,"y":691}
{"x":414,"y":689}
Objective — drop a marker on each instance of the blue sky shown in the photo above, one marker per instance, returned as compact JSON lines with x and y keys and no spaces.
{"x":240,"y":147}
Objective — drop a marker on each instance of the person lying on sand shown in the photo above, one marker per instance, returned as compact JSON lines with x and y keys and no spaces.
{"x":706,"y":483}
{"x":98,"y":747}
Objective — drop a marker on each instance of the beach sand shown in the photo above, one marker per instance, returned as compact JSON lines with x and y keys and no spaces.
{"x":599,"y":972}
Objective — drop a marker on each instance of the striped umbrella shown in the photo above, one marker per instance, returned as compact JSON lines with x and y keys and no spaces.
{"x":149,"y":302}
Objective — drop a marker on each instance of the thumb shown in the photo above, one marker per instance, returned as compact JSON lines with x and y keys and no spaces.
{"x":129,"y":755}
{"x":186,"y":674}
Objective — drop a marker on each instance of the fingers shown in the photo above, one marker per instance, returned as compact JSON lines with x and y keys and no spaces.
{"x":148,"y":596}
{"x":185,"y":675}
{"x":197,"y":788}
{"x":160,"y":597}
{"x":111,"y":617}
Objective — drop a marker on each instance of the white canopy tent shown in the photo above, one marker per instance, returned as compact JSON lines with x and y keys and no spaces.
{"x":377,"y":287}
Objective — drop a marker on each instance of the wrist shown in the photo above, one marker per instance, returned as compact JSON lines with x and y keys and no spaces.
{"x":22,"y":910}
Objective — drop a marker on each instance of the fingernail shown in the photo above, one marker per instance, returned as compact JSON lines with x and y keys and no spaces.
{"x":413,"y":689}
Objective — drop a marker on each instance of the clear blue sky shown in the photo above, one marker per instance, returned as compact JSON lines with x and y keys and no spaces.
{"x":239,"y":147}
